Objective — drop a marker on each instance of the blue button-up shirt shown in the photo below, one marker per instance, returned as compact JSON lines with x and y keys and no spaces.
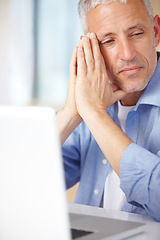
{"x":140,"y":163}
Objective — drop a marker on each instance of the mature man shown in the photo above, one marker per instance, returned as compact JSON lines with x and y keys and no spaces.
{"x":114,"y":153}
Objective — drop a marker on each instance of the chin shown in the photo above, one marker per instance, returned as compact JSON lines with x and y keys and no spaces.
{"x":132,"y":85}
{"x":133,"y":88}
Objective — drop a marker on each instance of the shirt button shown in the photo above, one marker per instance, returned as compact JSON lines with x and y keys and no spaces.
{"x":104,"y":161}
{"x":96,"y":191}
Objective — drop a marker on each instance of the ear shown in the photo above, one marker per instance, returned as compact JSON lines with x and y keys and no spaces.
{"x":156,"y":25}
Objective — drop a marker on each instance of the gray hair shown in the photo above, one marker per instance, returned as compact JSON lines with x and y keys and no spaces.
{"x":85,"y":6}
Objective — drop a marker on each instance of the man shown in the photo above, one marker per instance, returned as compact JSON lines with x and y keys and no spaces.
{"x":115,"y":154}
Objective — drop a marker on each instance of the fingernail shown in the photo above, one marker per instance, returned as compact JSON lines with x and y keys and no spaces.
{"x":86,"y":39}
{"x":80,"y":49}
{"x":93,"y":35}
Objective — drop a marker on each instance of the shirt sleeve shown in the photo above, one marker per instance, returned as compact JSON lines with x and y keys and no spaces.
{"x":140,"y":178}
{"x":71,"y":159}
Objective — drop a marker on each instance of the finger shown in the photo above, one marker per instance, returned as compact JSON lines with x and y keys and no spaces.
{"x":88,"y":53}
{"x":96,"y":50}
{"x":73,"y":63}
{"x":81,"y":37}
{"x":117,"y":93}
{"x":114,"y":87}
{"x":81,"y":64}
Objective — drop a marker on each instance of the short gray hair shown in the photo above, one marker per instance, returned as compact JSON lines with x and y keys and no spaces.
{"x":85,"y":6}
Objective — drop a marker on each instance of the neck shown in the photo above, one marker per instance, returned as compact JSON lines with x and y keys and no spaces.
{"x":131,"y":98}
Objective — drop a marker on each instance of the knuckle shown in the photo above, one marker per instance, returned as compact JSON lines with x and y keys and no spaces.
{"x":99,"y":60}
{"x":98,"y":56}
{"x":90,"y":60}
{"x":98,"y":63}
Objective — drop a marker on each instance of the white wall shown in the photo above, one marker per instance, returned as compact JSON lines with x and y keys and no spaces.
{"x":4,"y":42}
{"x":21,"y":51}
{"x":16,"y":51}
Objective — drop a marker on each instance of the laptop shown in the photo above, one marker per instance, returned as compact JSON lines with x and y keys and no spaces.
{"x":32,"y":187}
{"x":32,"y":205}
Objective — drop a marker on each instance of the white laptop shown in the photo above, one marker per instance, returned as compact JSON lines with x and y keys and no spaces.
{"x":32,"y":189}
{"x":32,"y":205}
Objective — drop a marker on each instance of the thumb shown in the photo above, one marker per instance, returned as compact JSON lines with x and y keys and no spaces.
{"x":117,"y":93}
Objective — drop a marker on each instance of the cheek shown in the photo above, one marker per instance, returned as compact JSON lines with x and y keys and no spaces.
{"x":145,"y":52}
{"x":149,"y":53}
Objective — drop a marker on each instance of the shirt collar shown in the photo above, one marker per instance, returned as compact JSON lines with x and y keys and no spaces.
{"x":151,"y":95}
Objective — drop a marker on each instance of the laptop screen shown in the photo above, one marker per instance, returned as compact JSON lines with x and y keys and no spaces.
{"x":32,"y":201}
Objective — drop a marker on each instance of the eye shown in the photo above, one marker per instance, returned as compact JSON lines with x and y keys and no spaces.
{"x":137,"y":34}
{"x":108,"y":42}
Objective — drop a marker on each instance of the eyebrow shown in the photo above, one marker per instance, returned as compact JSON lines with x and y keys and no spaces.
{"x":105,"y":35}
{"x":137,"y":26}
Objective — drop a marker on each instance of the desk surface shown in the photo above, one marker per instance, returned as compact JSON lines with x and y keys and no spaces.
{"x":152,"y":228}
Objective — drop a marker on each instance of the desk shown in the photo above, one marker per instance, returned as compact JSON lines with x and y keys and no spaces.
{"x":152,"y":228}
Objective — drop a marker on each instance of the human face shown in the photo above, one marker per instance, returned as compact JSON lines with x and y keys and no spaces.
{"x":126,"y":37}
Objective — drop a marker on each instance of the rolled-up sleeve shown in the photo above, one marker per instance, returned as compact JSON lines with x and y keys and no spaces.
{"x":140,"y":179}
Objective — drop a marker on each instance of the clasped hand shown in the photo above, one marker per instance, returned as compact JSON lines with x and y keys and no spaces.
{"x":89,"y":88}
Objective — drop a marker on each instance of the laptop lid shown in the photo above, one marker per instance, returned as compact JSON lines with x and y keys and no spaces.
{"x":32,"y":196}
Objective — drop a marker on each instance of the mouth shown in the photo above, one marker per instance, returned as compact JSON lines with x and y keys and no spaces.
{"x":129,"y":71}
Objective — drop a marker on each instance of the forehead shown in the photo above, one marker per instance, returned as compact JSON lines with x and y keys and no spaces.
{"x":117,"y":16}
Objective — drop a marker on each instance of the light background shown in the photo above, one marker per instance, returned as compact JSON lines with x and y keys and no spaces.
{"x":36,"y":43}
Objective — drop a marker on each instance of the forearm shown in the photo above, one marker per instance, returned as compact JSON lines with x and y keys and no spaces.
{"x":94,"y":94}
{"x":66,"y":123}
{"x":109,"y":137}
{"x":140,"y":181}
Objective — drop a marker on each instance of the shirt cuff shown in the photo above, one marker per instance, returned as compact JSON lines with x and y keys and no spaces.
{"x":136,"y":168}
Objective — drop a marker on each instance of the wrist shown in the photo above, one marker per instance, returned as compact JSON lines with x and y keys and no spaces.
{"x":72,"y":116}
{"x":93,"y":113}
{"x":66,"y":124}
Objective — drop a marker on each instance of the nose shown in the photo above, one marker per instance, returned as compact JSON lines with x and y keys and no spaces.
{"x":126,"y":49}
